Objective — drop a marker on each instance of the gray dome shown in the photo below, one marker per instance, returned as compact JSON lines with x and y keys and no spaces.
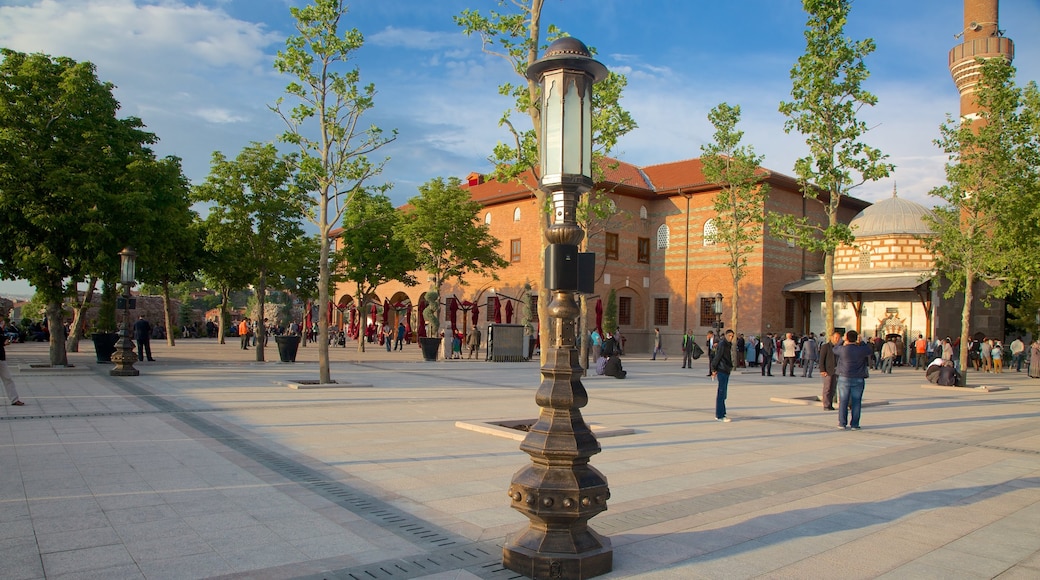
{"x":891,"y":216}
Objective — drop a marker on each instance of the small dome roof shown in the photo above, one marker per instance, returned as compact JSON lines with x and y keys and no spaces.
{"x":891,"y":216}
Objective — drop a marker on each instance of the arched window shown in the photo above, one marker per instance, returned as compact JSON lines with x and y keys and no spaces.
{"x":516,"y":215}
{"x":642,"y":212}
{"x":663,"y":237}
{"x":487,"y":218}
{"x":710,"y":231}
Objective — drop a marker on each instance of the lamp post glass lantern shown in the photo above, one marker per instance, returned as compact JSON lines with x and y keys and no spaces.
{"x":717,"y":307}
{"x":559,"y":491}
{"x":124,"y":356}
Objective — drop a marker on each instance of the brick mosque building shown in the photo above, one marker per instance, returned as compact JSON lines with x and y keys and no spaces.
{"x":666,"y":273}
{"x":653,"y":253}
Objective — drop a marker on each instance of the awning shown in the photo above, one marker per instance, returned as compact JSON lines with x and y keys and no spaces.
{"x":862,"y":283}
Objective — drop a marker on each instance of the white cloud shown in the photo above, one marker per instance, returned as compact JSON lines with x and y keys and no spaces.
{"x":220,"y":116}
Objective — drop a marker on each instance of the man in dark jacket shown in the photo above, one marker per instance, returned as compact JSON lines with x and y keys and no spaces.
{"x":854,"y":359}
{"x":828,"y":370}
{"x":143,"y":336}
{"x":768,"y":348}
{"x":721,"y":367}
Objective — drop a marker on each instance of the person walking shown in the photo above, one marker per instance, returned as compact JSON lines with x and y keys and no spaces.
{"x":888,"y":356}
{"x":596,"y":341}
{"x":828,"y":371}
{"x":244,"y":332}
{"x":143,"y":336}
{"x":657,"y":345}
{"x":920,"y":348}
{"x":688,"y":340}
{"x":399,"y":343}
{"x":721,"y":366}
{"x":997,"y":355}
{"x":853,"y":368}
{"x":810,"y":352}
{"x":790,"y":349}
{"x":473,"y":341}
{"x":710,"y":342}
{"x":767,"y":349}
{"x":10,"y":391}
{"x":1018,"y":350}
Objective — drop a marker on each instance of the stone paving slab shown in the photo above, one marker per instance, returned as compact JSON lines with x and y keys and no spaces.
{"x":206,"y":466}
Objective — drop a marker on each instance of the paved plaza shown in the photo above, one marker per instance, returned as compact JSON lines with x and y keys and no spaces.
{"x":207,"y":465}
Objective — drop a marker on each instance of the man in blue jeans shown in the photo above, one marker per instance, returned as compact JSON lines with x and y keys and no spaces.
{"x":854,"y":359}
{"x":721,"y":367}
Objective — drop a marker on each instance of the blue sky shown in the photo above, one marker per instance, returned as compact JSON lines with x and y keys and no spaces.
{"x":199,"y":74}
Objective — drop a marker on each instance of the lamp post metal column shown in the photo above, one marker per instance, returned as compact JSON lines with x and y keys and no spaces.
{"x":559,"y":491}
{"x":124,"y":356}
{"x":717,"y":308}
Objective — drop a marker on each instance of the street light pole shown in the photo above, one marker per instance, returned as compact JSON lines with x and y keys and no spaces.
{"x":559,"y":491}
{"x":124,"y":355}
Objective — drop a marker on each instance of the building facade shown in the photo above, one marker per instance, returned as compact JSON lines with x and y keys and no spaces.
{"x":655,"y":252}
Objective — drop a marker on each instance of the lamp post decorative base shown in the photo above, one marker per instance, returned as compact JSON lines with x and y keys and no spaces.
{"x":559,"y":491}
{"x":124,"y":358}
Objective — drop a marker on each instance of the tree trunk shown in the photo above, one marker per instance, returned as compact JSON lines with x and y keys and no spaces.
{"x":168,"y":314}
{"x":734,"y":303}
{"x":324,"y":377}
{"x":56,"y":328}
{"x":77,"y":316}
{"x":962,"y":356}
{"x":261,"y":325}
{"x":225,"y":294}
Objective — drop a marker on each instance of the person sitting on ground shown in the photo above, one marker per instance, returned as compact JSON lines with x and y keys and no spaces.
{"x":611,"y":352}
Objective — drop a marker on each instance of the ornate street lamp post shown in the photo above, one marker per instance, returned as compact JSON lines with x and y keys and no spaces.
{"x":124,"y":356}
{"x":559,"y":491}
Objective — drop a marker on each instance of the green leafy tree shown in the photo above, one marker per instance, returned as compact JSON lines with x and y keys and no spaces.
{"x":170,"y":247}
{"x":516,"y":37}
{"x":255,"y":201}
{"x":442,"y":231}
{"x":373,"y":252}
{"x":827,"y":94}
{"x":224,"y":270}
{"x":300,"y":280}
{"x":66,"y":202}
{"x":740,"y":204}
{"x":988,"y":228}
{"x":334,"y":159}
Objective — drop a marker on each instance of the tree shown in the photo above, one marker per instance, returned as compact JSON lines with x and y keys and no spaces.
{"x":334,"y":155}
{"x":255,"y":203}
{"x":442,"y":231}
{"x":517,"y":39}
{"x":740,"y":204}
{"x":826,"y":95}
{"x":224,"y":269}
{"x":66,"y":203}
{"x":373,"y":252}
{"x":170,"y":247}
{"x":987,"y":229}
{"x":300,"y":280}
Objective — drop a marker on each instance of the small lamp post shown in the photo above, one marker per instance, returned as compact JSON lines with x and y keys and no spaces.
{"x":559,"y":491}
{"x":124,"y":356}
{"x":717,"y":307}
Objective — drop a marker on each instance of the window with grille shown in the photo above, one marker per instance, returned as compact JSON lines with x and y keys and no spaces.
{"x":708,"y":317}
{"x":789,"y":313}
{"x":612,"y":247}
{"x":644,"y":250}
{"x":660,"y":312}
{"x":624,"y":311}
{"x":710,"y":232}
{"x":514,"y":250}
{"x":663,"y":237}
{"x":487,"y":218}
{"x":516,"y":215}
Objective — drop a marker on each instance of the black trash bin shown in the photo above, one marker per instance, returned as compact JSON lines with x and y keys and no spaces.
{"x":429,"y":346}
{"x":287,"y":347}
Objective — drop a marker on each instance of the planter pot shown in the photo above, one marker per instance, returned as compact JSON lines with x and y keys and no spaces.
{"x":104,"y":345}
{"x":429,"y":345}
{"x":287,"y":347}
